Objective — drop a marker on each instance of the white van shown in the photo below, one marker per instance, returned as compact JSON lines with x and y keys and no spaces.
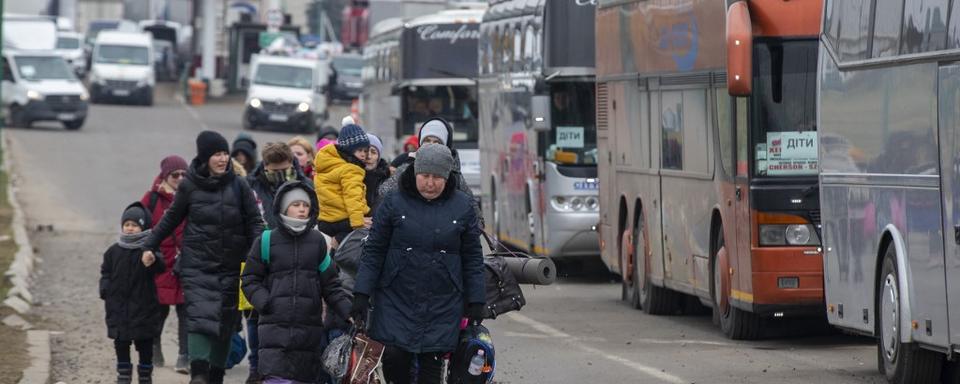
{"x":122,"y":68}
{"x":287,"y":92}
{"x":70,"y":47}
{"x":38,"y":86}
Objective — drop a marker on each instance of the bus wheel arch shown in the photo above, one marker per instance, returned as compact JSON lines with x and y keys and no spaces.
{"x":718,"y":262}
{"x":899,"y":361}
{"x":736,"y":323}
{"x":623,"y":249}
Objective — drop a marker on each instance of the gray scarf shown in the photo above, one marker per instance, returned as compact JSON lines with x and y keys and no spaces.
{"x":133,"y":241}
{"x":294,"y":224}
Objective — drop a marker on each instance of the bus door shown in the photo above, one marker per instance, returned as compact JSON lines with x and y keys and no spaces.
{"x":738,"y":251}
{"x":949,"y":121}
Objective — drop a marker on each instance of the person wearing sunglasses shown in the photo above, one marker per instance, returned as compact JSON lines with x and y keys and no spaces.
{"x":173,"y":169}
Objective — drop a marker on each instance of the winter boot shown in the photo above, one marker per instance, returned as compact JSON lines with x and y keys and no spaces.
{"x":216,"y":375}
{"x":124,"y":373}
{"x":199,"y":372}
{"x":254,"y":377}
{"x":183,"y":364}
{"x":145,"y":374}
{"x":157,"y":353}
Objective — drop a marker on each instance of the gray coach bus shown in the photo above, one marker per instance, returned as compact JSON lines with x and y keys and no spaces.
{"x":537,"y":121}
{"x":421,"y":68}
{"x":889,"y":122}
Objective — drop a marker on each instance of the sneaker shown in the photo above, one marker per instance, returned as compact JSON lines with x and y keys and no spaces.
{"x":183,"y":365}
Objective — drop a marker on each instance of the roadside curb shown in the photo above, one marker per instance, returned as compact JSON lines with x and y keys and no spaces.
{"x":39,"y":370}
{"x":24,"y":261}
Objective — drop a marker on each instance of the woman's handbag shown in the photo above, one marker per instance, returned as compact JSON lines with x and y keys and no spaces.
{"x":366,"y":366}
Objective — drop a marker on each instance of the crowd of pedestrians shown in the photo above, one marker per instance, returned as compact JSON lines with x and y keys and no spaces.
{"x":266,"y":224}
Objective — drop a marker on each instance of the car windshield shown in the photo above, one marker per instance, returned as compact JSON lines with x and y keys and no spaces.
{"x":783,"y":108}
{"x":284,"y":76}
{"x":457,"y":104}
{"x":122,"y":54}
{"x":348,"y":66}
{"x":95,"y":27}
{"x":572,"y":139}
{"x":68,"y":42}
{"x":34,"y":68}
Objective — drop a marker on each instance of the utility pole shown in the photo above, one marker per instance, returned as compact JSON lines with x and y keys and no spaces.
{"x":209,"y":59}
{"x":322,"y":13}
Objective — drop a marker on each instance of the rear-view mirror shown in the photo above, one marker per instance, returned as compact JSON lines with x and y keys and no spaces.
{"x":739,"y":50}
{"x":540,"y":111}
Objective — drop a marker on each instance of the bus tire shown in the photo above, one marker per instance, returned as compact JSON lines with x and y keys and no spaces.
{"x":736,"y":323}
{"x":654,"y":300}
{"x":631,"y":287}
{"x":899,"y":362}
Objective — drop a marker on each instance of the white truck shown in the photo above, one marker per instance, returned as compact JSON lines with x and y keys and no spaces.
{"x":122,"y":68}
{"x":286,"y":92}
{"x":38,"y":85}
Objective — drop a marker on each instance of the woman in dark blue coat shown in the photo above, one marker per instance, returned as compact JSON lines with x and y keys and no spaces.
{"x":423,"y":268}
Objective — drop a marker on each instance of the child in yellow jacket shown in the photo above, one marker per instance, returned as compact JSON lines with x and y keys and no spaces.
{"x":338,"y":181}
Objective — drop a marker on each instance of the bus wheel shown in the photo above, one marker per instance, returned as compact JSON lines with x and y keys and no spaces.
{"x":899,"y":362}
{"x":630,"y":271}
{"x":653,"y":299}
{"x":736,"y":323}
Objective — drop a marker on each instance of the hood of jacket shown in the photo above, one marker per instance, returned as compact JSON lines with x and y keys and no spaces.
{"x":314,"y":204}
{"x":408,"y":184}
{"x":199,"y":175}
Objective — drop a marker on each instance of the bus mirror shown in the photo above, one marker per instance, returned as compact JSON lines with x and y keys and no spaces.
{"x":540,"y":113}
{"x":739,"y":50}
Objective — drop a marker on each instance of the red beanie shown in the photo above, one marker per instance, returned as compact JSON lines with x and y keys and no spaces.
{"x":171,"y":164}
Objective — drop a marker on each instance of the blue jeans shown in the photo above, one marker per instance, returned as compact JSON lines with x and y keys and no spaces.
{"x":253,"y":341}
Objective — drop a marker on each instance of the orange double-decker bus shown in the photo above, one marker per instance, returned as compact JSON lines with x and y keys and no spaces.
{"x":707,"y":140}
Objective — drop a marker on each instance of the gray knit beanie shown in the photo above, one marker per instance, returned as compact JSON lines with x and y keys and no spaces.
{"x":293,"y":195}
{"x":434,"y":159}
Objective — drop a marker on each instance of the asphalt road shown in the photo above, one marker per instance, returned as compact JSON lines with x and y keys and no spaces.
{"x":576,"y":331}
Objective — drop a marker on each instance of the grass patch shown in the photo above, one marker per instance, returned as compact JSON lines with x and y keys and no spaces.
{"x":7,"y":248}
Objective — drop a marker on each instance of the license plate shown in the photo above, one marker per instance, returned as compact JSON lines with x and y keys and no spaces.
{"x":66,"y":117}
{"x":278,"y":117}
{"x":121,"y":92}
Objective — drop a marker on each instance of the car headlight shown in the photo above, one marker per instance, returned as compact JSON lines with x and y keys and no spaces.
{"x":34,"y":95}
{"x":84,"y":96}
{"x":788,"y":234}
{"x":303,"y":107}
{"x":255,"y":103}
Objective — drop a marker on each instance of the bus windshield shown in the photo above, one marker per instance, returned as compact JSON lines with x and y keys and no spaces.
{"x":284,"y":76}
{"x":573,"y":138}
{"x":43,"y":68}
{"x":122,"y":54}
{"x":783,"y":108}
{"x":455,"y":103}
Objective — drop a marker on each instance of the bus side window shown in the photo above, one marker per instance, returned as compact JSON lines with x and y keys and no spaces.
{"x":924,"y":26}
{"x":671,"y":129}
{"x":743,"y":139}
{"x":725,"y":132}
{"x":886,"y":27}
{"x":953,"y":31}
{"x":854,"y":19}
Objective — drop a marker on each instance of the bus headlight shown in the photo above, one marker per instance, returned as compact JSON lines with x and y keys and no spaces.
{"x":575,"y":203}
{"x":798,"y":234}
{"x":792,"y":234}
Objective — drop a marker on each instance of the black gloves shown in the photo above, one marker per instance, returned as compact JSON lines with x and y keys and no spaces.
{"x":361,"y":306}
{"x":475,"y":312}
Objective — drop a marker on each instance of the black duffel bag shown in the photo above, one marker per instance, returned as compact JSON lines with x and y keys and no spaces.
{"x":503,"y":292}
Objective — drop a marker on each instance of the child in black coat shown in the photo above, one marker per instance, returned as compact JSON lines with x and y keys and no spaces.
{"x":133,"y":313}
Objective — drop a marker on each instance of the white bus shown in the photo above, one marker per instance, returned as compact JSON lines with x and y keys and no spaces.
{"x":422,"y":68}
{"x":537,"y":126}
{"x":889,"y":87}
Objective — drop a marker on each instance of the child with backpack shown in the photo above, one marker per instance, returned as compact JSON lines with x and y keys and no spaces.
{"x":288,"y":275}
{"x":133,"y":313}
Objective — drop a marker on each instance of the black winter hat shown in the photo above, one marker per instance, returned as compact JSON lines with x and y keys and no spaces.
{"x":137,"y":213}
{"x":244,"y":143}
{"x":209,"y":143}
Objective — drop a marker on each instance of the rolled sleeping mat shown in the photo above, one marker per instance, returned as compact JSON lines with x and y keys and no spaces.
{"x":527,"y":270}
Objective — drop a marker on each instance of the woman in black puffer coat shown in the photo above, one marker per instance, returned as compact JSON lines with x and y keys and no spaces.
{"x":222,"y":221}
{"x":288,"y":288}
